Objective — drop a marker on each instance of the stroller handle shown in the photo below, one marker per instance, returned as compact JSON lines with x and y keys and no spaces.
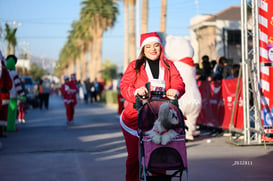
{"x":150,"y":94}
{"x":153,"y":96}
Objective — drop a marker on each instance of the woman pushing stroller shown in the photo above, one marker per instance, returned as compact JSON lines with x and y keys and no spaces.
{"x":151,"y":66}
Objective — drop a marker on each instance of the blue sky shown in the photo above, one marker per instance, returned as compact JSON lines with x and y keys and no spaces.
{"x":46,"y":23}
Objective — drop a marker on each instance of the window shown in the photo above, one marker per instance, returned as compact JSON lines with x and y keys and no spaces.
{"x":234,"y":37}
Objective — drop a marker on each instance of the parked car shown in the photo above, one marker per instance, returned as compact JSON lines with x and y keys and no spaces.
{"x":31,"y":91}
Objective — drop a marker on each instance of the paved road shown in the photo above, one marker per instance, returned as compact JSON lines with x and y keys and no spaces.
{"x":93,"y":149}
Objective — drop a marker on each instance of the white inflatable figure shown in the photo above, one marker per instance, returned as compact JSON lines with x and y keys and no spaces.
{"x":179,"y":50}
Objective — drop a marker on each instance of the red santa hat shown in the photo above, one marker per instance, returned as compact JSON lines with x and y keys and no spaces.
{"x":147,"y":38}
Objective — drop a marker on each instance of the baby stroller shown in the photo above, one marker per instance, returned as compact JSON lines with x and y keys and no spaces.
{"x":156,"y":161}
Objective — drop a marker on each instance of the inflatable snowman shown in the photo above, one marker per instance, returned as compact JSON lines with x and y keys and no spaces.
{"x":180,"y":51}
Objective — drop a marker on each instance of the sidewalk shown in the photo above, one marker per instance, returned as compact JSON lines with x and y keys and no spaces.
{"x":93,"y":149}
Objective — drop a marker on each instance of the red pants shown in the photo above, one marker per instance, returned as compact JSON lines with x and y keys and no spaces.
{"x":21,"y":110}
{"x":132,"y":164}
{"x":69,"y":111}
{"x":4,"y":113}
{"x":3,"y":117}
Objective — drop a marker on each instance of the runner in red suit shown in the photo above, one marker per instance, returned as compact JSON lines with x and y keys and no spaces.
{"x":5,"y":86}
{"x":69,"y":90}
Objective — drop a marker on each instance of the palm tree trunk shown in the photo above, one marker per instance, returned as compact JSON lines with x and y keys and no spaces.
{"x":163,"y":16}
{"x":91,"y":65}
{"x":78,"y":65}
{"x":8,"y":49}
{"x":83,"y":65}
{"x":12,"y":50}
{"x":144,"y":16}
{"x":98,"y":52}
{"x":70,"y":68}
{"x":126,"y":38}
{"x":99,"y":57}
{"x":132,"y":32}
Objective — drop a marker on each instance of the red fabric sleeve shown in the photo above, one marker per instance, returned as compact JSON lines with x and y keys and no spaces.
{"x":176,"y":80}
{"x":127,"y":83}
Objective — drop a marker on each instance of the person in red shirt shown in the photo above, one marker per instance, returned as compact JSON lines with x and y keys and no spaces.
{"x":74,"y":87}
{"x":151,"y":66}
{"x":5,"y":86}
{"x":68,"y":92}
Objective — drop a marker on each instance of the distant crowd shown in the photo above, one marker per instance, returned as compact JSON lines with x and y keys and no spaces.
{"x":216,"y":69}
{"x":91,"y":91}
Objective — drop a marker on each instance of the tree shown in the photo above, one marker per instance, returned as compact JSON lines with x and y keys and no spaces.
{"x":132,"y":31}
{"x":126,"y":59}
{"x":80,"y":38}
{"x":109,"y":71}
{"x":96,"y":17}
{"x":11,"y":39}
{"x":144,"y":16}
{"x":163,"y":16}
{"x":102,"y":15}
{"x":36,"y":72}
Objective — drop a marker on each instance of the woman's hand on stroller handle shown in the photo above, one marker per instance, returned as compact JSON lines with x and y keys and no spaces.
{"x":172,"y":94}
{"x":144,"y":93}
{"x":141,"y":92}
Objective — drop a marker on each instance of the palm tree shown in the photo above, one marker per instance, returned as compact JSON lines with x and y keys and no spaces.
{"x":163,"y":16}
{"x":69,"y":54}
{"x":80,"y":37}
{"x":11,"y":39}
{"x":89,"y":66}
{"x":126,"y":59}
{"x":132,"y":31}
{"x":144,"y":16}
{"x":102,"y":15}
{"x":75,"y":42}
{"x":96,"y":17}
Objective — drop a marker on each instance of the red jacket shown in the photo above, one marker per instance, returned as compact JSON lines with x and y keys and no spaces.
{"x":74,"y":88}
{"x":67,"y":93}
{"x":130,"y":82}
{"x":5,"y":86}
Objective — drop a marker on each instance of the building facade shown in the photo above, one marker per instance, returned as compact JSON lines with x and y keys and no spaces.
{"x":217,"y":35}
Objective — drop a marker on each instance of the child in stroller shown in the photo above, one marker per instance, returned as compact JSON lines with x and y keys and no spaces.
{"x":156,"y":159}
